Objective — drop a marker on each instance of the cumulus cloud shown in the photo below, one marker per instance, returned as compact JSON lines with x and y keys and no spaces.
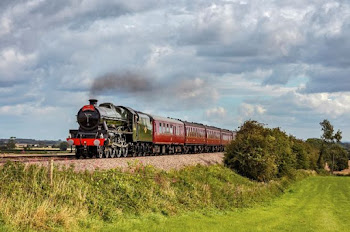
{"x":216,"y":112}
{"x":282,"y":62}
{"x":249,"y":110}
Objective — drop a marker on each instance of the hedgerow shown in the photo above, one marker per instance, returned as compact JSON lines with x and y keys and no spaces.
{"x":262,"y":154}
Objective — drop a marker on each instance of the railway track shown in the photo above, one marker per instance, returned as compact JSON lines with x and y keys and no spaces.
{"x":34,"y":157}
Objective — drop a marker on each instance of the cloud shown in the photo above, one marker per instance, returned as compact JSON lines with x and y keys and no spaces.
{"x":330,"y":80}
{"x":215,"y":112}
{"x":285,"y":63}
{"x":249,"y":110}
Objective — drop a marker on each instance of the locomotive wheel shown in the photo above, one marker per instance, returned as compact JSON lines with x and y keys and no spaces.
{"x":113,"y":151}
{"x":135,"y":150}
{"x":77,"y":154}
{"x":124,"y":151}
{"x":142,"y":150}
{"x":147,"y":150}
{"x":107,"y":153}
{"x":118,"y":151}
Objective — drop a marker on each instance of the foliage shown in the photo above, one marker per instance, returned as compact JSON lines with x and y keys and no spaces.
{"x":334,"y":154}
{"x":282,"y":150}
{"x":262,"y":153}
{"x":63,"y":146}
{"x":11,"y":143}
{"x":301,"y":154}
{"x":315,"y":142}
{"x":249,"y":154}
{"x":337,"y":157}
{"x":77,"y":200}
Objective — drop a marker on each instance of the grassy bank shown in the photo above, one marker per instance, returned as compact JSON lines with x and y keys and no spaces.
{"x":89,"y":201}
{"x":314,"y":204}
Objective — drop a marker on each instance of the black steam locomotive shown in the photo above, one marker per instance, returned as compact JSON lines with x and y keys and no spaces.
{"x":109,"y":131}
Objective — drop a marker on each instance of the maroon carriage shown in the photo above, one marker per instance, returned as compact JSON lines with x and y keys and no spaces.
{"x":226,"y":137}
{"x":195,"y":137}
{"x":168,"y":135}
{"x":213,"y":136}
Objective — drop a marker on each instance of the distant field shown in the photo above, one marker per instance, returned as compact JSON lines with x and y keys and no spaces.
{"x":314,"y":204}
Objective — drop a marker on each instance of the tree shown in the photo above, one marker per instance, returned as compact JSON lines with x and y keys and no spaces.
{"x":63,"y":146}
{"x":328,"y":131}
{"x":337,"y":156}
{"x":281,"y":149}
{"x":11,"y":143}
{"x":328,"y":149}
{"x":300,"y":150}
{"x":262,"y":153}
{"x":338,"y":136}
{"x":250,"y":153}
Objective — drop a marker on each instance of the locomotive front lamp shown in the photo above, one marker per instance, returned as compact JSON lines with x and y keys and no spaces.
{"x":97,"y":142}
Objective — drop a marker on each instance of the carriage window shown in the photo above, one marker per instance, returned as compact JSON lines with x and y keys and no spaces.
{"x":171,"y":129}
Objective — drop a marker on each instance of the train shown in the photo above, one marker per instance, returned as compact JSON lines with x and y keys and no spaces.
{"x":108,"y":131}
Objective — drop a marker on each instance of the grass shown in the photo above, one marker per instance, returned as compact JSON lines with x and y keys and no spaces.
{"x":314,"y":204}
{"x":91,"y":201}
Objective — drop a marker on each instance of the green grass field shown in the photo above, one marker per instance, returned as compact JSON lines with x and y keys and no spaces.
{"x":314,"y":204}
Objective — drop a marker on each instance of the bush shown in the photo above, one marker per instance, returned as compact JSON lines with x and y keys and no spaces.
{"x":63,"y":146}
{"x":249,"y":154}
{"x":262,"y":154}
{"x":300,"y":151}
{"x":340,"y":156}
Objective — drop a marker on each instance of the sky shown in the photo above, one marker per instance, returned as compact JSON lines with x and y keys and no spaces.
{"x":284,"y":63}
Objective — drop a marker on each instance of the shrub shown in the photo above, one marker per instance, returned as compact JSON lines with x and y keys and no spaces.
{"x":249,"y":154}
{"x":262,"y":153}
{"x":337,"y":154}
{"x":300,"y":151}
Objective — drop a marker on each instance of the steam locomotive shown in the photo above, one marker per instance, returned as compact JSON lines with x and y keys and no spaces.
{"x":108,"y":131}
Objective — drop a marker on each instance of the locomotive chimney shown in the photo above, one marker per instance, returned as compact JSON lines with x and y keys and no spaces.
{"x":93,"y":102}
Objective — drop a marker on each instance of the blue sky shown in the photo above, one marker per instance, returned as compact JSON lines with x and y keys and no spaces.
{"x":284,"y":63}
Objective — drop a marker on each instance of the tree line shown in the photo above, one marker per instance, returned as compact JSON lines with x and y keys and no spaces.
{"x":262,"y":153}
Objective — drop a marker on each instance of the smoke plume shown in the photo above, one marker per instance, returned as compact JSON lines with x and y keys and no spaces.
{"x":127,"y":82}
